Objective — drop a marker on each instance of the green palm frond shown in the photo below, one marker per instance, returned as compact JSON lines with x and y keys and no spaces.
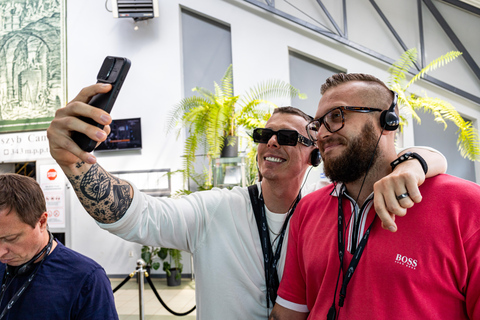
{"x":177,"y":113}
{"x":400,"y":68}
{"x":468,"y":137}
{"x":270,"y":89}
{"x":227,"y":82}
{"x":439,"y":62}
{"x":211,"y":116}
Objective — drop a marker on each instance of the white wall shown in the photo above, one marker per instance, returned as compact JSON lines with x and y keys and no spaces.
{"x":260,"y":44}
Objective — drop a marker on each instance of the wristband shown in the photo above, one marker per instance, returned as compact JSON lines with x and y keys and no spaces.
{"x":407,"y":156}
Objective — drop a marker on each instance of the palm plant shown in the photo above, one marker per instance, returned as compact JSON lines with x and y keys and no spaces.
{"x":210,"y":117}
{"x":468,"y":139}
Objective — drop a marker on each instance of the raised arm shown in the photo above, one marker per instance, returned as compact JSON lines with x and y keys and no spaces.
{"x":405,"y":180}
{"x":105,"y":197}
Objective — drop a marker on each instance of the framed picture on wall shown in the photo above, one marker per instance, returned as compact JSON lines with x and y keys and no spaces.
{"x":32,"y":63}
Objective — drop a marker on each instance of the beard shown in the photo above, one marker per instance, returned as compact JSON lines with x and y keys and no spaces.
{"x":354,"y":162}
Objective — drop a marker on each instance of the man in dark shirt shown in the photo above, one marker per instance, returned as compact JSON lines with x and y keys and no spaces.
{"x":41,"y":278}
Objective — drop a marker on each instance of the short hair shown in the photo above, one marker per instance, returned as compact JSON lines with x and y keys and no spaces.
{"x":292,"y":110}
{"x":24,"y":195}
{"x":380,"y":95}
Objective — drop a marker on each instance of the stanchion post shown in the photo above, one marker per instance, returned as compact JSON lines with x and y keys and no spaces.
{"x":140,"y":276}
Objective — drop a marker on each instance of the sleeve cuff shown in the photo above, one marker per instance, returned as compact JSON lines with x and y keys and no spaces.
{"x":291,"y":305}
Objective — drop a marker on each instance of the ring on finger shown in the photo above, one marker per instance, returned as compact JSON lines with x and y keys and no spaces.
{"x":403,"y":195}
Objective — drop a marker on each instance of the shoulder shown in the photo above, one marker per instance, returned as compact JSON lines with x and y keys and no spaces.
{"x":320,"y":194}
{"x":445,"y":184}
{"x":77,"y":263}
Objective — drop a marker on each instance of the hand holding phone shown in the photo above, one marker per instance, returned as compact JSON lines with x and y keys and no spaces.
{"x":113,"y":71}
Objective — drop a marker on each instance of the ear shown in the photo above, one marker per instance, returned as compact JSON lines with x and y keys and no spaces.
{"x":43,"y":221}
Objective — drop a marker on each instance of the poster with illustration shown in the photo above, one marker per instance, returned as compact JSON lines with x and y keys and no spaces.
{"x":32,"y":63}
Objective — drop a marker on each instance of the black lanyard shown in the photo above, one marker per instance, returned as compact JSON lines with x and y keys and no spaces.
{"x":341,"y":250}
{"x":270,"y":260}
{"x":25,"y":285}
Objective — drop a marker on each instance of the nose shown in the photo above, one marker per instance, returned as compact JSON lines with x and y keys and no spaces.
{"x":273,"y":142}
{"x":322,"y":132}
{"x":3,"y":250}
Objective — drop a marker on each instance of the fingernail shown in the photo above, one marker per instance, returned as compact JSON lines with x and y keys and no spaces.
{"x":105,"y":118}
{"x":392,"y":228}
{"x":91,"y":159}
{"x":105,"y":84}
{"x":100,"y":134}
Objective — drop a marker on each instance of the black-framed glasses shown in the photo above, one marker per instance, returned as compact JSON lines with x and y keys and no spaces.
{"x":285,"y":137}
{"x":334,"y":120}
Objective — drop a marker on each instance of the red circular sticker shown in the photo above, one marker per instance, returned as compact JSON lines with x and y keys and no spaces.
{"x":51,"y":174}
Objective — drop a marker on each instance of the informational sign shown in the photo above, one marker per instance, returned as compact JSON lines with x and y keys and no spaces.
{"x":52,"y":182}
{"x":24,"y":146}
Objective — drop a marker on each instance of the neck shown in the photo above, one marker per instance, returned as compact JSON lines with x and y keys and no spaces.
{"x":355,"y":189}
{"x":278,"y":197}
{"x":45,"y":242}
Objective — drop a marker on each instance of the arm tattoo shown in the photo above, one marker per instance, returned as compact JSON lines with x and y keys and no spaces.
{"x":105,"y":197}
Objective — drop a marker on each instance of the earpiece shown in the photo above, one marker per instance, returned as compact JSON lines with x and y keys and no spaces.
{"x":389,"y":120}
{"x":315,"y":158}
{"x":28,"y":266}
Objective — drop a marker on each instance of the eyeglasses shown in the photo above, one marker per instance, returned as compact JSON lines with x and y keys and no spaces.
{"x":333,"y":120}
{"x":284,"y":137}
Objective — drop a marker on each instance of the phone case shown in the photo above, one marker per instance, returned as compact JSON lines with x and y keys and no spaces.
{"x":113,"y":71}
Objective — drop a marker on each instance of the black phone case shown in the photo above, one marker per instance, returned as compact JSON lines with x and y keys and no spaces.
{"x":113,"y":71}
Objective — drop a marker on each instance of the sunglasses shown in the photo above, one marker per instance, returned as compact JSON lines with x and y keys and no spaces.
{"x":284,"y":137}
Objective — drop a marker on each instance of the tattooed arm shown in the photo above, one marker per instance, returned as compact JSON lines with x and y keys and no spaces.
{"x":105,"y":197}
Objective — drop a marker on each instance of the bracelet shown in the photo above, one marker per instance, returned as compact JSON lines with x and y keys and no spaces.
{"x":407,"y":156}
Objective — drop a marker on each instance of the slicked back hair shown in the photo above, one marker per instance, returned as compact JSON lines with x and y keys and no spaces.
{"x":292,"y":110}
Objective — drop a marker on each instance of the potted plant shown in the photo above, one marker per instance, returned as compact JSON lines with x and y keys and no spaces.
{"x":172,"y":267}
{"x":213,"y":119}
{"x":468,"y":139}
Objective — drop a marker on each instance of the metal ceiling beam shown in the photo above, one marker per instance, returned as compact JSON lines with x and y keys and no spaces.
{"x":453,"y":37}
{"x":464,"y":6}
{"x":391,"y":28}
{"x":344,"y":40}
{"x":421,"y":35}
{"x":329,"y":16}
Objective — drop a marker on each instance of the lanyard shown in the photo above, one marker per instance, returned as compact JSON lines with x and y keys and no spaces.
{"x":25,"y":285}
{"x":270,"y":260}
{"x":341,"y":250}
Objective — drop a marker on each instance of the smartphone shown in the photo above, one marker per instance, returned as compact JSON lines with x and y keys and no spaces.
{"x":113,"y":71}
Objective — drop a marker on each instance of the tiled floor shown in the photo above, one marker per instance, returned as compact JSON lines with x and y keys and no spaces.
{"x":179,"y":299}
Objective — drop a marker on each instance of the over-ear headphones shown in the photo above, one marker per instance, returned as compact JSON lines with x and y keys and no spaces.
{"x":28,"y":266}
{"x":389,"y":120}
{"x":315,"y":158}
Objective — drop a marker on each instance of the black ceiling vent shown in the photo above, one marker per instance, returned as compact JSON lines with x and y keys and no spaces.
{"x":136,"y":9}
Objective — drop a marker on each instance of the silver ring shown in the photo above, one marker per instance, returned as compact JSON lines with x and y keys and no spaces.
{"x":403,"y":195}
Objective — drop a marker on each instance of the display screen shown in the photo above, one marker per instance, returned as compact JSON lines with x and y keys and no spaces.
{"x":125,"y":134}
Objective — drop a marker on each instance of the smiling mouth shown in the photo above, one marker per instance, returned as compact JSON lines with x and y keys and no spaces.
{"x":274,"y":159}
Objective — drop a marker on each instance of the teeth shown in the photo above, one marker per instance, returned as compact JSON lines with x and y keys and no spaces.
{"x":272,"y":159}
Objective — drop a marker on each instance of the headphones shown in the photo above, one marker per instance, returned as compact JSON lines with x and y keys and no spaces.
{"x":28,"y":266}
{"x":315,"y":158}
{"x":389,"y":120}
